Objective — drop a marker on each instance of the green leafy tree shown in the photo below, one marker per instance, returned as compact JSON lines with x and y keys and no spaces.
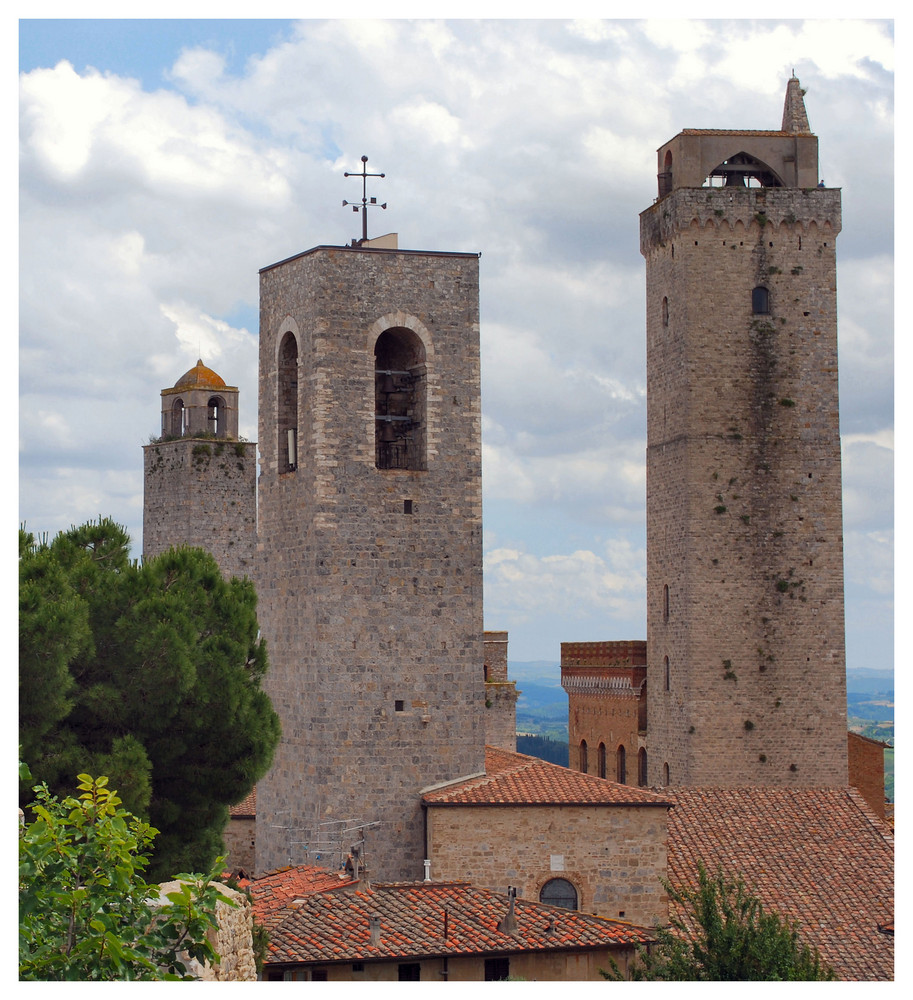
{"x":724,"y":934}
{"x":85,"y":910}
{"x":162,"y":688}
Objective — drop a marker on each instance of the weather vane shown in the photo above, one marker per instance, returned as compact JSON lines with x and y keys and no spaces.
{"x":365,"y":200}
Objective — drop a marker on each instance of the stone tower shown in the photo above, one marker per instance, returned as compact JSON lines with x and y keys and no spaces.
{"x":200,"y":481}
{"x":370,"y":558}
{"x":745,"y":627}
{"x":500,"y":695}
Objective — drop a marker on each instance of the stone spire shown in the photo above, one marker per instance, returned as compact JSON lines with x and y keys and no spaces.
{"x":795,"y":118}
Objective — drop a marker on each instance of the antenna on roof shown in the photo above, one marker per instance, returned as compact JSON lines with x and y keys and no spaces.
{"x":365,"y":201}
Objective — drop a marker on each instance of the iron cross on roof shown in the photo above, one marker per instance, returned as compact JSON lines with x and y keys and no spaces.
{"x":365,"y":201}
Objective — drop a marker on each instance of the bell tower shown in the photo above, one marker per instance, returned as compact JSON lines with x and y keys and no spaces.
{"x":745,"y":623}
{"x":370,"y":558}
{"x":199,"y":479}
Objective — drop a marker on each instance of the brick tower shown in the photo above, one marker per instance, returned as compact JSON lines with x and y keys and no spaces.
{"x":745,"y":628}
{"x":370,"y":558}
{"x":200,"y":481}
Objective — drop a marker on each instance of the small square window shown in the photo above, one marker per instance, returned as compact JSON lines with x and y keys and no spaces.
{"x":407,"y":506}
{"x":399,"y":706}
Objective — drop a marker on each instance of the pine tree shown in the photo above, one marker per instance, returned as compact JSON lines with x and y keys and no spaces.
{"x":723,"y":933}
{"x":164,"y":694}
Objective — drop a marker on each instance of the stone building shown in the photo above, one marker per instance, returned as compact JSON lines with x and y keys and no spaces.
{"x":199,"y":479}
{"x":556,"y":836}
{"x":500,"y":720}
{"x":745,"y":624}
{"x":370,"y":547}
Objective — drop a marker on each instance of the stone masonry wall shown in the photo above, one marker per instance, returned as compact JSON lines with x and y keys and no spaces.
{"x":232,"y":939}
{"x":500,"y":695}
{"x":370,"y":580}
{"x":613,"y":855}
{"x":202,"y":493}
{"x":744,"y":521}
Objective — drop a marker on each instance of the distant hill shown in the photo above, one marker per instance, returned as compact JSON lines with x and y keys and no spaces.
{"x":542,"y":705}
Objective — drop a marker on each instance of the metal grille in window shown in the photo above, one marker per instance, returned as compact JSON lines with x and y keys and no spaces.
{"x":559,"y":892}
{"x":397,"y":423}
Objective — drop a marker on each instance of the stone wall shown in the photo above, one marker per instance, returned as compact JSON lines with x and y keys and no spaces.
{"x":369,"y":579}
{"x":202,"y":493}
{"x":744,"y":522}
{"x":233,"y":939}
{"x":500,"y":695}
{"x":613,"y":855}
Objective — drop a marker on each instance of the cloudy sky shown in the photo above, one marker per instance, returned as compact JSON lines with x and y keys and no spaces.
{"x":162,"y":163}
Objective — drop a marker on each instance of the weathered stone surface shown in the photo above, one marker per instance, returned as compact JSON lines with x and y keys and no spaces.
{"x":744,"y":521}
{"x":369,"y":579}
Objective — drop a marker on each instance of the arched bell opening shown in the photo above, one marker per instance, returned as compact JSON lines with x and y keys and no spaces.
{"x":743,"y":170}
{"x":400,"y":400}
{"x":178,"y":418}
{"x":215,"y":416}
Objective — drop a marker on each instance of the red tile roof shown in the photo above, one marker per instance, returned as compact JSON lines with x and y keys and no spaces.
{"x":276,"y":890}
{"x":334,"y":926}
{"x":246,"y":808}
{"x":816,"y":855}
{"x":518,"y":780}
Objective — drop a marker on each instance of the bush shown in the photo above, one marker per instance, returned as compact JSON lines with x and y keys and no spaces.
{"x":85,"y":910}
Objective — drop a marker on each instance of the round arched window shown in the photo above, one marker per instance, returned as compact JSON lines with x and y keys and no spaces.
{"x":559,"y":892}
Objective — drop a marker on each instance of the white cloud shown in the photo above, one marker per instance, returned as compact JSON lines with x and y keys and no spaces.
{"x":145,"y":215}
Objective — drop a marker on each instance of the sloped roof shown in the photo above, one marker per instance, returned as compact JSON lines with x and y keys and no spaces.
{"x":816,"y":855}
{"x":276,"y":890}
{"x":246,"y":808}
{"x":335,"y":927}
{"x":516,"y":779}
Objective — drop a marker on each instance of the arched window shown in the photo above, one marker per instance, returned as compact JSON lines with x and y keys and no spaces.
{"x":215,"y":416}
{"x":620,"y":765}
{"x":642,"y":767}
{"x":399,"y":400}
{"x":665,"y":178}
{"x":760,"y":301}
{"x":583,"y":757}
{"x":287,"y":404}
{"x":178,"y":418}
{"x":601,"y":760}
{"x":559,"y":892}
{"x":665,"y":774}
{"x":665,"y":311}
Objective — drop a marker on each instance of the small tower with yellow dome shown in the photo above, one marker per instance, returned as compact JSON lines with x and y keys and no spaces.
{"x":200,"y":480}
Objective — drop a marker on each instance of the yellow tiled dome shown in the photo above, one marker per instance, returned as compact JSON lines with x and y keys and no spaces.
{"x":200,"y":377}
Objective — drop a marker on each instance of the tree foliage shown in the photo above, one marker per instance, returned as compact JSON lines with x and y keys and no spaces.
{"x":149,"y":673}
{"x":85,"y":909}
{"x":723,"y":933}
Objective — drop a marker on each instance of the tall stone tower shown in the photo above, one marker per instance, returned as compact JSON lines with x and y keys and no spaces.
{"x":370,"y":558}
{"x":745,"y":626}
{"x":199,"y":480}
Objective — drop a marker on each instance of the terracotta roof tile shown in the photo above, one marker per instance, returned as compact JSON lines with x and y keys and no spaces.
{"x":517,"y":779}
{"x":246,"y":808}
{"x":335,"y":926}
{"x":274,"y":892}
{"x":817,"y":855}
